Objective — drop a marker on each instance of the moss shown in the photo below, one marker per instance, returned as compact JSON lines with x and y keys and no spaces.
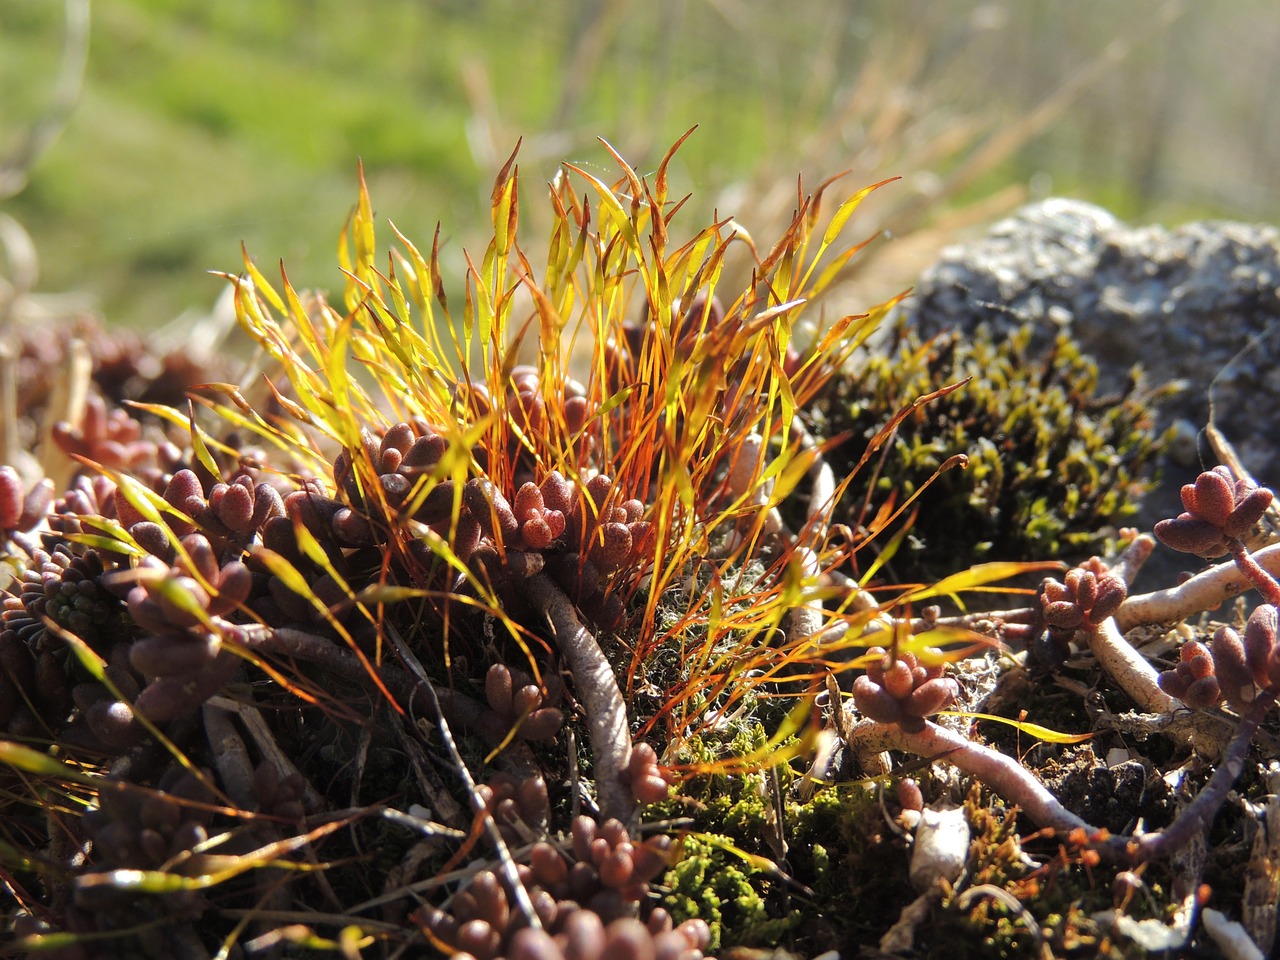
{"x":840,"y":883}
{"x":1054,"y":467}
{"x":1068,"y":894}
{"x":719,"y":887}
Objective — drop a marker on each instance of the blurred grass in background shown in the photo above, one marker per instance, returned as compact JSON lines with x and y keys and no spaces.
{"x":205,"y":124}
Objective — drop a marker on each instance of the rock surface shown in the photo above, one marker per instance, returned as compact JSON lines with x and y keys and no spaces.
{"x":1197,"y":305}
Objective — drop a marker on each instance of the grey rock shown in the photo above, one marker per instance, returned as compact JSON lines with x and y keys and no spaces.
{"x":1197,"y":304}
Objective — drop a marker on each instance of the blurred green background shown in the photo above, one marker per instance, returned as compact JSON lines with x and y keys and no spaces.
{"x":203,"y":124}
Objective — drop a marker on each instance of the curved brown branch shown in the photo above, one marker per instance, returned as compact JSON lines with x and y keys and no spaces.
{"x":1205,"y":591}
{"x":1197,"y":818}
{"x":1005,"y":775}
{"x":1129,"y":669}
{"x":597,"y":689}
{"x":1017,"y":785}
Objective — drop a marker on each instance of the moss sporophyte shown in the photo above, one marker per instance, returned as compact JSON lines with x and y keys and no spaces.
{"x":524,"y":614}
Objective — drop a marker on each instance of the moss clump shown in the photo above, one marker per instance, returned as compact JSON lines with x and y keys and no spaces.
{"x":1068,"y":894}
{"x":767,"y":869}
{"x":1054,"y":467}
{"x":711,"y":884}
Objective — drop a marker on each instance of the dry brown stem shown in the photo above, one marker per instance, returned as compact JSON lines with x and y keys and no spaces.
{"x":1128,"y":668}
{"x":597,"y":689}
{"x":1009,"y":778}
{"x":1017,"y":785}
{"x":1205,"y":591}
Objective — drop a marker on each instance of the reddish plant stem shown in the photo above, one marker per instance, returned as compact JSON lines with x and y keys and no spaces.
{"x":597,"y":689}
{"x":1017,"y":785}
{"x":1262,"y":581}
{"x":1009,"y":778}
{"x":1197,"y":818}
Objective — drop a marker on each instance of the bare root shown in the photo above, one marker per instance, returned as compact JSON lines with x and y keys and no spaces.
{"x":1128,"y":668}
{"x":1205,"y":591}
{"x":1017,"y":785}
{"x":597,"y":689}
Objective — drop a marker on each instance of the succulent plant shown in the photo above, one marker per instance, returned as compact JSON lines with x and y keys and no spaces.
{"x":22,"y":508}
{"x":606,"y":876}
{"x":538,"y":612}
{"x":223,"y":587}
{"x":1086,"y":597}
{"x":1220,"y":511}
{"x":140,"y":831}
{"x":901,"y":690}
{"x":1219,"y":508}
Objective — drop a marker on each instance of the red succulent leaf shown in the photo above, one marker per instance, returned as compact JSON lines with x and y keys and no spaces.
{"x":1054,"y":591}
{"x":1111,"y":593}
{"x":897,"y":680}
{"x":1084,"y":586}
{"x":1260,"y":644}
{"x":1212,"y":496}
{"x":598,"y":488}
{"x":536,"y":533}
{"x":1173,"y":683}
{"x":235,"y":582}
{"x":497,"y":689}
{"x":399,"y":437}
{"x":1203,"y":693}
{"x":352,"y":528}
{"x":1193,"y":680}
{"x":11,"y":496}
{"x":875,"y":669}
{"x":437,"y":505}
{"x":543,"y":724}
{"x":555,"y":520}
{"x":236,"y":508}
{"x":1230,"y":666}
{"x":423,"y":454}
{"x":183,"y":488}
{"x":528,"y":501}
{"x":267,"y":503}
{"x":1063,"y":615}
{"x":575,"y":413}
{"x":557,"y":492}
{"x":203,"y":559}
{"x":931,"y":696}
{"x":874,"y":702}
{"x":487,"y":504}
{"x":1248,"y":511}
{"x":1187,"y":534}
{"x":170,"y":655}
{"x":36,"y":504}
{"x":396,"y":488}
{"x":613,"y":546}
{"x":313,"y":509}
